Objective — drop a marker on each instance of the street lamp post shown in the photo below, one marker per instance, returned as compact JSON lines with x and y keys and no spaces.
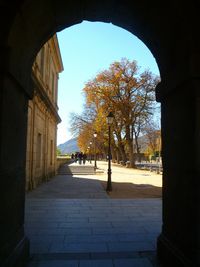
{"x":88,"y":150}
{"x":110,"y":118}
{"x":95,"y":156}
{"x":90,"y":153}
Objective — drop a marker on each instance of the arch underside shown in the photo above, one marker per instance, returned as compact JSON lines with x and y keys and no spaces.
{"x":145,"y":20}
{"x":170,"y":31}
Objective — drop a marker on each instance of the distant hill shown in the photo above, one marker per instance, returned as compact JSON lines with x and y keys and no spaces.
{"x":69,"y":146}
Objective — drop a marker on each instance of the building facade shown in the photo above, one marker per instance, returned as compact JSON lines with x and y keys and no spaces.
{"x":43,"y":115}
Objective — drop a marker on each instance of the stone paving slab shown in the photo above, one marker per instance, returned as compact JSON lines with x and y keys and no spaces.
{"x":90,"y":186}
{"x":132,"y":263}
{"x":94,"y":263}
{"x":55,"y":263}
{"x":125,"y":259}
{"x":97,"y":225}
{"x":71,"y":221}
{"x":69,"y":186}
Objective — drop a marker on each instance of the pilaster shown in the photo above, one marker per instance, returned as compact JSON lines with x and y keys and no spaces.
{"x":14,"y":246}
{"x":178,"y":244}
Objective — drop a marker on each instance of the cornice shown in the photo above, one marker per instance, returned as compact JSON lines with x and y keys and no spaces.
{"x":43,"y":95}
{"x":55,"y":49}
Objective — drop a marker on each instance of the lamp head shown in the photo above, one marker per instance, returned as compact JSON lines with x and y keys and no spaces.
{"x":110,"y":118}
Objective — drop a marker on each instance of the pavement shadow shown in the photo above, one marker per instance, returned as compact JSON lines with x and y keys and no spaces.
{"x":65,"y":168}
{"x":69,"y":186}
{"x":131,"y":190}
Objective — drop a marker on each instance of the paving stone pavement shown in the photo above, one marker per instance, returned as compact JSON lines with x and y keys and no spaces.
{"x":89,"y":231}
{"x":69,"y":186}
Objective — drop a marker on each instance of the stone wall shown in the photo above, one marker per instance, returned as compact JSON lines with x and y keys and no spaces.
{"x":61,"y":161}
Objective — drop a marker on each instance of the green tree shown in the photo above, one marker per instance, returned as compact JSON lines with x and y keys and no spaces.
{"x":58,"y":151}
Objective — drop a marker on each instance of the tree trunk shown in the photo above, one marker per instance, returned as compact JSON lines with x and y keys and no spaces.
{"x":130,"y":147}
{"x":121,"y":148}
{"x":122,"y":152}
{"x":137,"y":148}
{"x":114,"y":154}
{"x":131,"y":154}
{"x":118,"y":155}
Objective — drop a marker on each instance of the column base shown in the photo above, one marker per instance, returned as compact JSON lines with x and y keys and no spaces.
{"x":169,"y":255}
{"x":19,"y":256}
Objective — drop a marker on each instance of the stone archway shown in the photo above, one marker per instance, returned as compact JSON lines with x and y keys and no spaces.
{"x":26,"y":25}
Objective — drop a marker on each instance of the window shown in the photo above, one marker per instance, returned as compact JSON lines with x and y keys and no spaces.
{"x":53,"y":84}
{"x":51,"y":152}
{"x":38,"y":151}
{"x":42,"y":61}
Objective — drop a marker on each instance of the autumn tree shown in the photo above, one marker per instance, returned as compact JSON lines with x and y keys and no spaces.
{"x":83,"y":127}
{"x":129,"y":95}
{"x":153,"y":138}
{"x":126,"y":92}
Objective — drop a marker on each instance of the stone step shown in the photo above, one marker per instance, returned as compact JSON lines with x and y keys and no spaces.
{"x":80,"y":169}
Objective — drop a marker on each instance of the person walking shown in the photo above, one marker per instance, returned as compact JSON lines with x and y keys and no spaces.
{"x":84,"y":158}
{"x":80,"y":157}
{"x":76,"y":157}
{"x":72,"y":157}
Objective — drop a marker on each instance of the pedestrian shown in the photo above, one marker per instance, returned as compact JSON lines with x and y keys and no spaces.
{"x":80,"y":157}
{"x":84,"y":158}
{"x":76,"y":157}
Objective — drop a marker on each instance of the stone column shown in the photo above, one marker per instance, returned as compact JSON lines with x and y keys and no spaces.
{"x":178,"y":244}
{"x":14,"y":247}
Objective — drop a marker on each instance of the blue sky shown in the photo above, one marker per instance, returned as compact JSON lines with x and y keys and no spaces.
{"x":86,"y":49}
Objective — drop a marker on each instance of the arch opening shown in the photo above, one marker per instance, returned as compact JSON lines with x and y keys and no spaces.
{"x":177,"y":56}
{"x":84,"y":182}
